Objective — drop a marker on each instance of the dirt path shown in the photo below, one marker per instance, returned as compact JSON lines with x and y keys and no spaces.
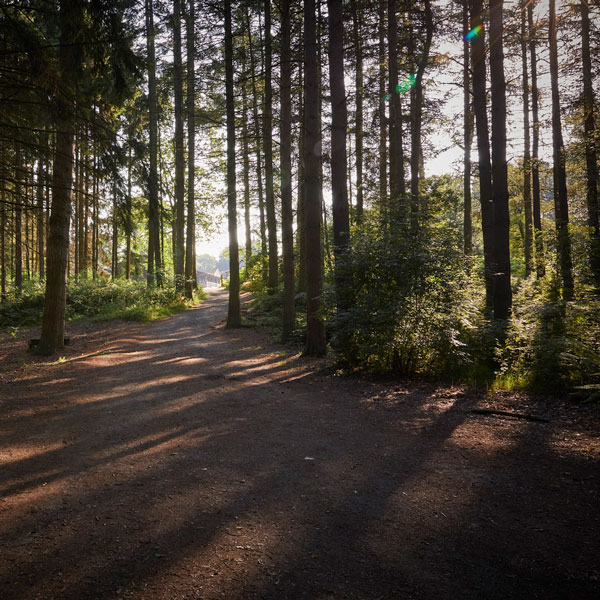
{"x":186,"y":461}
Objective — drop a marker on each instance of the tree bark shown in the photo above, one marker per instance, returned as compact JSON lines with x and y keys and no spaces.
{"x":383,"y":153}
{"x":467,"y":136}
{"x":53,"y":326}
{"x":234,"y":318}
{"x":527,"y":207}
{"x":359,"y":84}
{"x":416,"y":114}
{"x":18,"y":220}
{"x":339,"y":125}
{"x":561,"y":207}
{"x":268,"y":146}
{"x":397,"y":183}
{"x":154,"y":275}
{"x":483,"y":143}
{"x":535,"y":165}
{"x":502,"y":290}
{"x":287,"y":216}
{"x":591,"y":151}
{"x":246,"y":175}
{"x":178,"y":232}
{"x":315,"y":338}
{"x":191,"y":282}
{"x":257,"y":145}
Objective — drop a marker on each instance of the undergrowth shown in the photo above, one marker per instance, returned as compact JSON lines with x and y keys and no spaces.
{"x":97,"y":300}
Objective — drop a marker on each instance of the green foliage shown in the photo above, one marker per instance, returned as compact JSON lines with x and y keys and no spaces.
{"x":409,"y":312}
{"x":99,"y":300}
{"x":551,"y":345}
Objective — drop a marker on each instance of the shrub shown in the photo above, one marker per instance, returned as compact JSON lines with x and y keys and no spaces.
{"x":407,"y":294}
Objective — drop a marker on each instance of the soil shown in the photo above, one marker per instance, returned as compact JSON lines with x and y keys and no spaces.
{"x":182,"y":460}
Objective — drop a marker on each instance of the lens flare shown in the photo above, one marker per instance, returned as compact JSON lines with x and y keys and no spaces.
{"x":406,"y":84}
{"x":473,"y":33}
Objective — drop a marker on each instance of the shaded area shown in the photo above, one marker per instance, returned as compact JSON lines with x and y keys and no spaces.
{"x":187,"y":461}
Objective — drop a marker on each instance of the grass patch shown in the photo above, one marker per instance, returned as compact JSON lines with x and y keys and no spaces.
{"x":99,"y":301}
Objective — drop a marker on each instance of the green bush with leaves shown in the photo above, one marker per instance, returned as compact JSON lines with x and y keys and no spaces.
{"x":407,"y":296}
{"x":100,"y":300}
{"x":551,"y":345}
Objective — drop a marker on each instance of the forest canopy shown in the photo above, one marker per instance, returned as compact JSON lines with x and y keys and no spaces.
{"x":410,"y":186}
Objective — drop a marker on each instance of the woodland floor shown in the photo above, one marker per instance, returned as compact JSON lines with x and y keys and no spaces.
{"x":180,"y":460}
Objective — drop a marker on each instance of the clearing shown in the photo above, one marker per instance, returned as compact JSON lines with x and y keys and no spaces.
{"x":182,"y":460}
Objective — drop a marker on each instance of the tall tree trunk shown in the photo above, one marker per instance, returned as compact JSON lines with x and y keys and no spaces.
{"x":339,"y":125}
{"x":2,"y":244}
{"x":53,"y":326}
{"x":287,"y":216}
{"x":397,"y":183}
{"x":416,"y":115}
{"x":483,"y":143}
{"x":268,"y":146}
{"x":115,"y":236}
{"x":535,"y":164}
{"x":591,"y":151}
{"x":467,"y":136}
{"x":246,"y":175}
{"x":561,"y":207}
{"x":383,"y":172}
{"x":191,"y":282}
{"x":234,"y":318}
{"x":527,"y":207}
{"x":257,"y":145}
{"x":128,"y":220}
{"x":18,"y":220}
{"x":359,"y":84}
{"x":95,"y":218}
{"x":178,"y":232}
{"x":315,"y":338}
{"x":300,"y":216}
{"x":41,"y":184}
{"x":501,"y":224}
{"x":154,"y":275}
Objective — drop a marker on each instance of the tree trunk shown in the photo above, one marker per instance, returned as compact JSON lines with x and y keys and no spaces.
{"x":257,"y":145}
{"x":234,"y":318}
{"x":2,"y":244}
{"x":397,"y":183}
{"x":591,"y":151}
{"x":535,"y":165}
{"x":191,"y":282}
{"x":339,"y":125}
{"x":115,"y":236}
{"x":154,"y":275}
{"x":53,"y":326}
{"x":178,"y":232}
{"x":416,"y":114}
{"x":268,"y":146}
{"x":18,"y":220}
{"x":301,"y":229}
{"x":467,"y":136}
{"x":561,"y":207}
{"x":483,"y":144}
{"x":246,"y":175}
{"x":287,"y":216}
{"x":315,"y":338}
{"x":383,"y":172}
{"x":359,"y":84}
{"x":128,"y":221}
{"x":41,"y":184}
{"x":527,"y":207}
{"x":502,"y":290}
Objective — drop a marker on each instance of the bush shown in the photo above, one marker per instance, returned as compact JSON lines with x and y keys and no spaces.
{"x":410,"y":310}
{"x":551,"y":345}
{"x":100,"y":300}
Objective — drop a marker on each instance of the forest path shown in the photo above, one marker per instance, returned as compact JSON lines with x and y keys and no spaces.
{"x":184,"y":460}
